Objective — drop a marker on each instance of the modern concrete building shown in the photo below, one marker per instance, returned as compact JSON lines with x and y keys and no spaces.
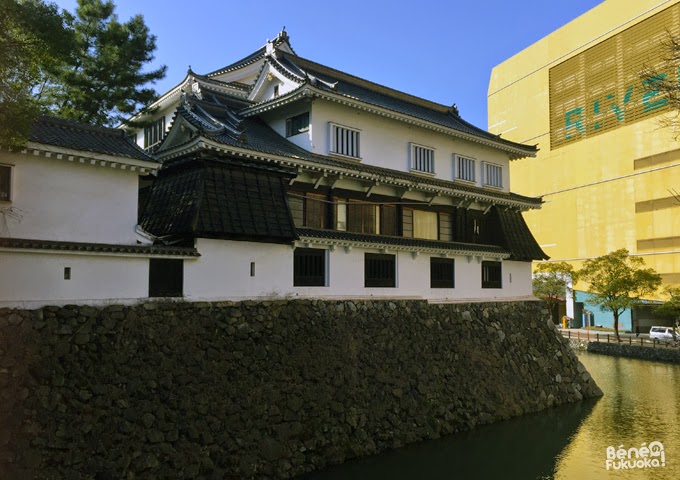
{"x":606,"y":168}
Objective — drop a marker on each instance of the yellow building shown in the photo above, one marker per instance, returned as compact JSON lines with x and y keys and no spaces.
{"x":607,"y":169}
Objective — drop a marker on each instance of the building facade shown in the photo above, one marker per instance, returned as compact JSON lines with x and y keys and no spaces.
{"x":68,"y":219}
{"x":606,"y":167}
{"x":293,"y":179}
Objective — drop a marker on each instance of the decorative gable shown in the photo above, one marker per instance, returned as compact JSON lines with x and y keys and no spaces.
{"x":273,"y":81}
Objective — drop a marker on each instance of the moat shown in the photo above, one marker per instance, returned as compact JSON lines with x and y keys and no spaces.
{"x":641,"y":405}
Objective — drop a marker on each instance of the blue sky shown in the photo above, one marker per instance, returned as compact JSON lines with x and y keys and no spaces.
{"x":436,"y":49}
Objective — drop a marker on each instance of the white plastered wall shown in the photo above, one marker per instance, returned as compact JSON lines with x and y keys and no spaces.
{"x":33,"y":279}
{"x":56,"y":199}
{"x":224,"y":272}
{"x":386,"y":142}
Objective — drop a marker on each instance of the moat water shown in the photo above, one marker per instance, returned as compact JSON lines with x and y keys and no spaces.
{"x":641,"y":405}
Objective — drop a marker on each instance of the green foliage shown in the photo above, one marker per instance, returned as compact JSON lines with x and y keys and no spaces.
{"x":671,"y":308}
{"x":87,"y":67}
{"x":105,"y":82}
{"x":618,"y":281}
{"x":552,"y":281}
{"x":34,"y":41}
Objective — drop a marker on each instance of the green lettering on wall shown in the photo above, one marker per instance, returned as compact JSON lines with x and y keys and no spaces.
{"x":651,"y":92}
{"x":571,"y":122}
{"x":620,"y":112}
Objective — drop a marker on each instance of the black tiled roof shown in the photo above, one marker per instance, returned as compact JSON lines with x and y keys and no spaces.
{"x":85,"y":137}
{"x":220,"y":199}
{"x":518,"y":238}
{"x":22,"y":243}
{"x":254,"y":134}
{"x":399,"y":241}
{"x":378,"y":95}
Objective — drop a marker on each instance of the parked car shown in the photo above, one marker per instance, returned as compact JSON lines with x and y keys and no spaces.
{"x":664,"y":334}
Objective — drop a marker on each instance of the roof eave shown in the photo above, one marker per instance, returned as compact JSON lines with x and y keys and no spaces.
{"x":201,"y":143}
{"x":307,"y":90}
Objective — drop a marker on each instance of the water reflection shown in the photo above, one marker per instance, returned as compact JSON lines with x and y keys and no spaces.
{"x":641,"y":404}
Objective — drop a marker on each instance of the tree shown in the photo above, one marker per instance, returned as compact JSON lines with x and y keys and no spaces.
{"x":553,"y":281}
{"x":104,"y":83}
{"x":34,"y":41}
{"x":662,"y":83}
{"x":87,"y":67}
{"x":618,"y":281}
{"x":670,"y":308}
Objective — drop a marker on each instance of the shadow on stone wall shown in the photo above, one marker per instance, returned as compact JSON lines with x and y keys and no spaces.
{"x":269,"y":389}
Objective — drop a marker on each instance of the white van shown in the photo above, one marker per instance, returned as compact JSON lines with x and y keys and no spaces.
{"x":661,"y":333}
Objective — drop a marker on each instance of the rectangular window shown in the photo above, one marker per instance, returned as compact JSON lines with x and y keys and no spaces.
{"x":492,"y":275}
{"x":465,"y":168}
{"x":445,"y":227}
{"x":297,"y":124}
{"x":345,"y":141}
{"x":493,"y":175}
{"x":442,"y":273}
{"x":166,"y":277}
{"x":308,"y":209}
{"x":362,"y":217}
{"x":380,"y":270}
{"x":389,"y":222}
{"x":407,"y":222}
{"x":154,"y":133}
{"x":309,"y":267}
{"x":5,"y":183}
{"x":425,"y":225}
{"x":422,"y":159}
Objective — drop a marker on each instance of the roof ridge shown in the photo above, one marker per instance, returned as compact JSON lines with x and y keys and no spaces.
{"x":77,"y":125}
{"x":375,"y":86}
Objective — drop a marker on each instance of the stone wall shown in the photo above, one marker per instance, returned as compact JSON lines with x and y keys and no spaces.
{"x":659,"y":353}
{"x":263,"y":390}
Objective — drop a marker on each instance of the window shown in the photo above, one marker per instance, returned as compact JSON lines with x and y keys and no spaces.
{"x":362,"y":217}
{"x":425,"y":225}
{"x":422,"y":159}
{"x":493,"y":175}
{"x":166,"y":277}
{"x":309,"y":267}
{"x":465,"y":168}
{"x":379,"y":270}
{"x":308,"y":209}
{"x":5,"y":183}
{"x":154,"y":133}
{"x":389,"y":221}
{"x":442,"y":272}
{"x":492,"y":275}
{"x":297,"y":124}
{"x":445,"y":227}
{"x":276,"y":90}
{"x":344,"y":141}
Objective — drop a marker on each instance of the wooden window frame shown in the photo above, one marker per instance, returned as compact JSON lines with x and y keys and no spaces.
{"x":154,"y":133}
{"x":6,"y":178}
{"x":492,"y":274}
{"x":161,"y":281}
{"x":306,"y":260}
{"x":466,"y":168}
{"x":345,"y":141}
{"x":293,"y":124}
{"x":422,"y":159}
{"x":493,"y":175}
{"x":380,"y":270}
{"x":439,"y":272}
